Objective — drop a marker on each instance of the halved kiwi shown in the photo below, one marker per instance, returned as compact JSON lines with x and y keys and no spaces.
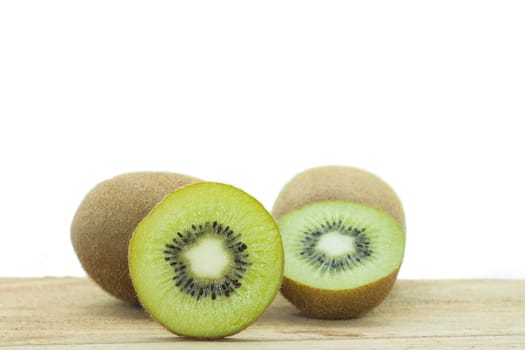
{"x":344,"y":241}
{"x":206,"y":261}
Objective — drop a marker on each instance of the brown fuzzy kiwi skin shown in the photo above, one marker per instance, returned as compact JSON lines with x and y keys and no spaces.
{"x":338,"y":183}
{"x":338,"y":304}
{"x":106,"y":218}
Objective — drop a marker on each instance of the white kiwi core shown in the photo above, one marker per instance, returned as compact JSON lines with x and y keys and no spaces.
{"x":208,"y":258}
{"x":335,"y":244}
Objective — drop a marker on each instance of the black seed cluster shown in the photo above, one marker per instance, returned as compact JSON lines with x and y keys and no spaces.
{"x":212,"y":289}
{"x":340,"y":263}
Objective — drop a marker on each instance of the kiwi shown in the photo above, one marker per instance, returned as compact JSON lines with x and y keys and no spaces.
{"x":206,"y":261}
{"x":343,"y":231}
{"x":104,"y":221}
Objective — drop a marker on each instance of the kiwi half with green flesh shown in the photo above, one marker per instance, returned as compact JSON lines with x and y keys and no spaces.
{"x":206,"y":261}
{"x":343,"y":231}
{"x":104,"y":221}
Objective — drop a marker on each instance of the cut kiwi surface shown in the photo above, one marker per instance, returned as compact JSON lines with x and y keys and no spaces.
{"x":338,"y":245}
{"x":207,"y":260}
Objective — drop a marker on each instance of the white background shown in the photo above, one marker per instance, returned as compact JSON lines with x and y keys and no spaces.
{"x":430,"y":95}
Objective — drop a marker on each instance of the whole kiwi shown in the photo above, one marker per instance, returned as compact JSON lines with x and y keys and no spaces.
{"x":338,"y":183}
{"x":106,"y":218}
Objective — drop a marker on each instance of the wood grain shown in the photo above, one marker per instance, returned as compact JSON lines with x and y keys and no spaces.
{"x":73,"y":313}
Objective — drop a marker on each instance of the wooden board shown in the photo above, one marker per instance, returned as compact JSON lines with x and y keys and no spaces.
{"x":73,"y":313}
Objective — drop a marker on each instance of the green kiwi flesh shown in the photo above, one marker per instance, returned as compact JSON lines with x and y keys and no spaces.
{"x":206,"y":261}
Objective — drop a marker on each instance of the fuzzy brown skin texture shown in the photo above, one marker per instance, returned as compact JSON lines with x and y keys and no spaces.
{"x":339,"y":183}
{"x":340,"y":304}
{"x":106,"y":218}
